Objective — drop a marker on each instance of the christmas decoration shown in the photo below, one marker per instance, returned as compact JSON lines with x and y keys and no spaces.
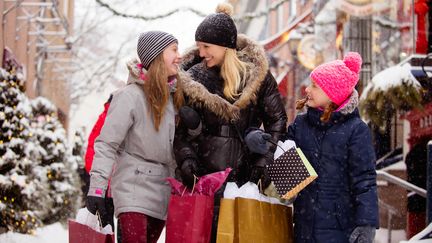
{"x":247,"y":16}
{"x":55,"y":162}
{"x":421,"y":9}
{"x":78,"y":153}
{"x":381,"y":105}
{"x":37,"y":173}
{"x":15,"y":186}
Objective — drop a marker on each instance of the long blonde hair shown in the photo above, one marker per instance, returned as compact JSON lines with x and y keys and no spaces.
{"x":233,"y":71}
{"x":157,"y":92}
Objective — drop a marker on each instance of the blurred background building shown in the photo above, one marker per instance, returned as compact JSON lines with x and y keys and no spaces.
{"x":36,"y":36}
{"x":392,"y":37}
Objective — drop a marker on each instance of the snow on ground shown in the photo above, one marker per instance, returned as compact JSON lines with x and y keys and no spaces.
{"x":396,"y":236}
{"x":56,"y":233}
{"x":49,"y":234}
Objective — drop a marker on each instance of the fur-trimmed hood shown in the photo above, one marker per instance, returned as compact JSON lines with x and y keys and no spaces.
{"x":249,"y":52}
{"x":351,"y":104}
{"x":134,"y":72}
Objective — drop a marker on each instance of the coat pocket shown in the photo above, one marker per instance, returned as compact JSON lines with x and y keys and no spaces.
{"x":152,"y":189}
{"x":148,"y":171}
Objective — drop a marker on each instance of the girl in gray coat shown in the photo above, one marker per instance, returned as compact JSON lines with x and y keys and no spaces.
{"x":134,"y":149}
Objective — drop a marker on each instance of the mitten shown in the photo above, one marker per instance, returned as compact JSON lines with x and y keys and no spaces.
{"x":256,"y":141}
{"x":362,"y":234}
{"x":188,"y":172}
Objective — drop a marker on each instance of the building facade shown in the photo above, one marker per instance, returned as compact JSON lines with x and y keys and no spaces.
{"x":36,"y":35}
{"x":299,"y":35}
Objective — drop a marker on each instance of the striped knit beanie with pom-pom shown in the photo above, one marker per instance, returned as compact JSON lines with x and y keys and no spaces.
{"x":151,"y":44}
{"x":338,"y":78}
{"x":218,"y":28}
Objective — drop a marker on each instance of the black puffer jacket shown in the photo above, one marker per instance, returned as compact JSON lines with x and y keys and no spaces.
{"x":219,"y":146}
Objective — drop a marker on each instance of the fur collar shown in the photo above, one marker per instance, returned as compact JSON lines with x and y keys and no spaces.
{"x":351,"y":104}
{"x":249,"y":52}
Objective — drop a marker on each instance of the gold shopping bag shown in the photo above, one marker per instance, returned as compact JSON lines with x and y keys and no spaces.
{"x":262,"y":222}
{"x":225,"y":229}
{"x":243,"y":220}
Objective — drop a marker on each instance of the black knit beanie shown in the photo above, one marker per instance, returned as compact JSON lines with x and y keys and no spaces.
{"x":151,"y":44}
{"x":218,"y":28}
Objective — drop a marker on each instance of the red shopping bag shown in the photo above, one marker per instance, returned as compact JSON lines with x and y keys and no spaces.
{"x":79,"y":233}
{"x":190,"y":212}
{"x":189,"y":219}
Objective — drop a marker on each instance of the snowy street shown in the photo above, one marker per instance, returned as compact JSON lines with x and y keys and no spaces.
{"x":56,"y":233}
{"x":105,"y":101}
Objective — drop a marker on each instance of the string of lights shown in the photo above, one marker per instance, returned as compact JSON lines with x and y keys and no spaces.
{"x":237,"y":18}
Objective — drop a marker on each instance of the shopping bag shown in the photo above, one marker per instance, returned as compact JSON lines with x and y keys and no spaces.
{"x":262,"y":222}
{"x":79,"y":233}
{"x":189,"y":219}
{"x":190,"y":212}
{"x":226,"y":229}
{"x":291,"y":172}
{"x":248,"y":216}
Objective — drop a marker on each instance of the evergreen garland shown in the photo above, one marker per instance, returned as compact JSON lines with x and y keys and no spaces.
{"x":380,"y":106}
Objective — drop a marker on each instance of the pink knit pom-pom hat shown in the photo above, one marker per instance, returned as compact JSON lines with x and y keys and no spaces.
{"x":338,"y":78}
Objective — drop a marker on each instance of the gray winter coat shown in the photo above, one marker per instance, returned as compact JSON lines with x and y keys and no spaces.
{"x":140,"y":157}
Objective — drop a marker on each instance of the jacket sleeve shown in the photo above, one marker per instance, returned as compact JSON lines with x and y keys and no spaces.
{"x":291,"y":131}
{"x":118,"y":121}
{"x":273,"y":116}
{"x":363,"y":176}
{"x":183,"y":148}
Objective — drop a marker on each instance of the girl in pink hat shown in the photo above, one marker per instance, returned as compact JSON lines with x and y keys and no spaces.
{"x":341,"y":205}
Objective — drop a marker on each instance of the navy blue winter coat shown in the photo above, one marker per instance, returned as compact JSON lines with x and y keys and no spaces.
{"x":345,"y":193}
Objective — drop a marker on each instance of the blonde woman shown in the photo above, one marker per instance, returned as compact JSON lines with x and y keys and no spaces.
{"x":137,"y":137}
{"x":231,"y":89}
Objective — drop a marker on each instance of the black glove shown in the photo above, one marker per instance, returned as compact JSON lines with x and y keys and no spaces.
{"x":256,"y":141}
{"x":99,"y":204}
{"x":189,"y":117}
{"x":362,"y":234}
{"x":189,"y":169}
{"x":260,"y":173}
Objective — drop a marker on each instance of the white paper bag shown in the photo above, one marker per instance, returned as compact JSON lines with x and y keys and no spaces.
{"x":85,"y":217}
{"x":248,"y":190}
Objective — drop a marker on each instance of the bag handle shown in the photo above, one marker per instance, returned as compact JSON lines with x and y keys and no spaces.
{"x":193,"y":187}
{"x":99,"y":219}
{"x":276,"y":145}
{"x":259,"y":184}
